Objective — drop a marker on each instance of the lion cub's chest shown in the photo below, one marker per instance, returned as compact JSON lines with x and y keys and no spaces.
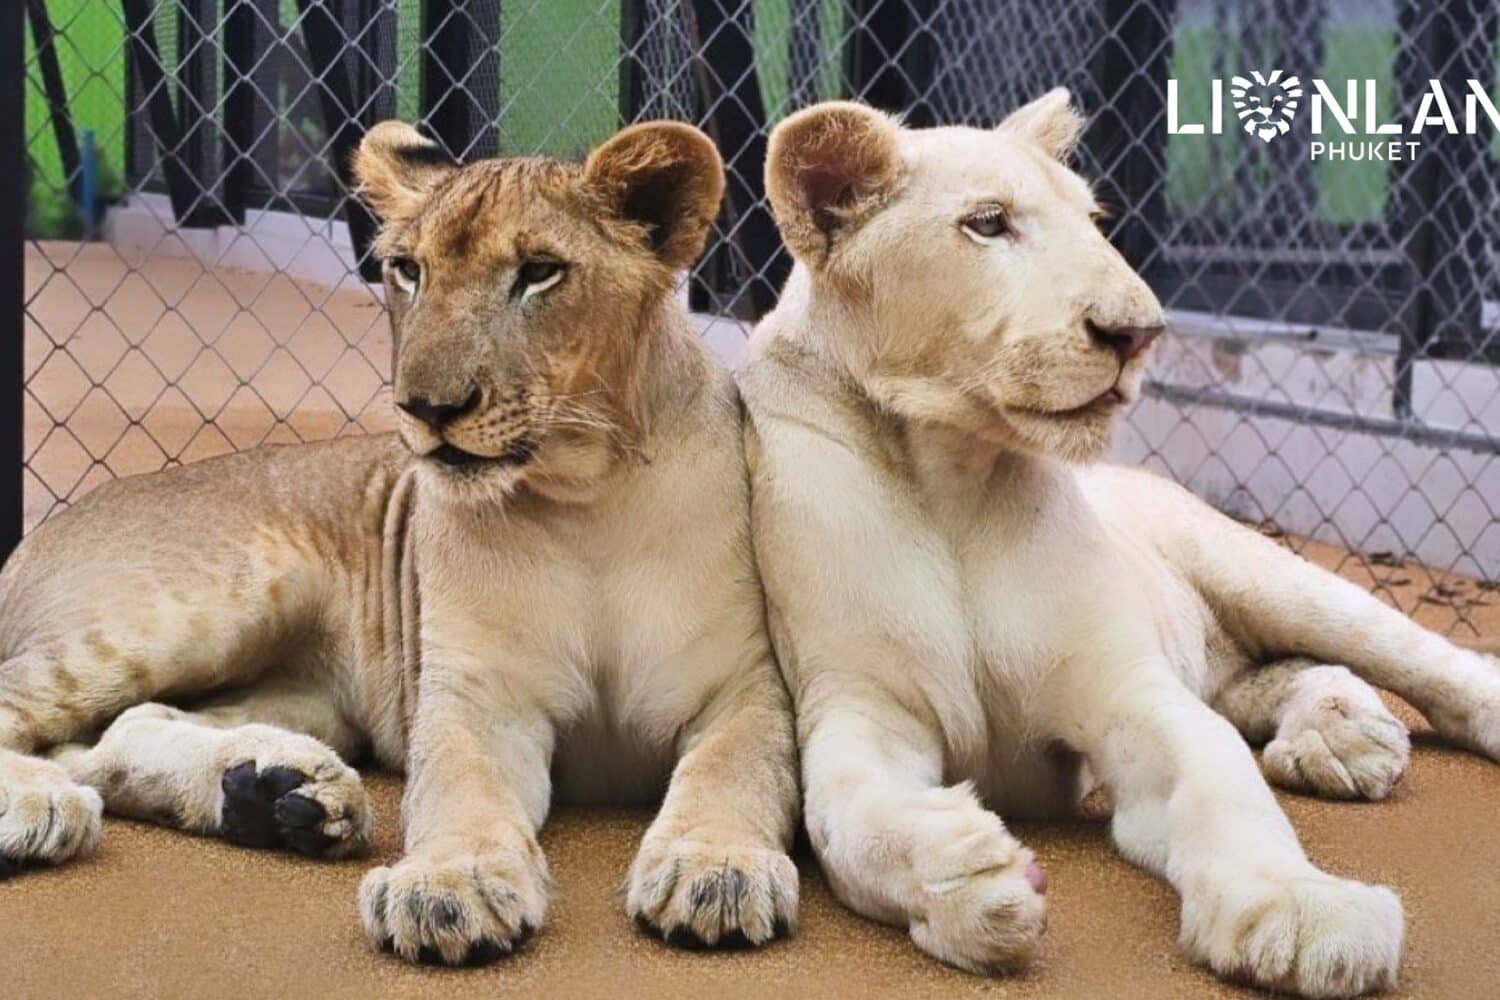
{"x":620,"y":624}
{"x":1039,"y":581}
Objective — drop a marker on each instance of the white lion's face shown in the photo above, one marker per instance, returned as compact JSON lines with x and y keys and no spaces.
{"x":1266,"y":105}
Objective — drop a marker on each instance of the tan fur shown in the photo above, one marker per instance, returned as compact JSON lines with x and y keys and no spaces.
{"x":581,"y":613}
{"x":969,"y":621}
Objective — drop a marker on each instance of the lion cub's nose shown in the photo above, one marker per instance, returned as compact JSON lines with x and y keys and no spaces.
{"x":1125,"y":341}
{"x":438,"y":414}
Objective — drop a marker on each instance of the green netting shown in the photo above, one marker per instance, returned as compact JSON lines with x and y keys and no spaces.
{"x":559,"y":89}
{"x":90,"y":48}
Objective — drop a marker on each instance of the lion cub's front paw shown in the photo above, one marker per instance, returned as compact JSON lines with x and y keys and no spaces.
{"x":459,"y":910}
{"x":702,"y":892}
{"x":983,"y":907}
{"x":1315,"y":935}
{"x":44,"y":817}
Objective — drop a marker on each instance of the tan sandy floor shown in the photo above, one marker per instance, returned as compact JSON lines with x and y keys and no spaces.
{"x":160,"y":914}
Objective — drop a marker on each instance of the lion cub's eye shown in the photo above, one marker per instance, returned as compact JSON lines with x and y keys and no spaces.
{"x":537,"y":275}
{"x":986,"y":225}
{"x":407,"y":273}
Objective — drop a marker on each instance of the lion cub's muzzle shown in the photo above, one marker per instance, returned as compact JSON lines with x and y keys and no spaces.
{"x":467,"y":432}
{"x":1127,"y":341}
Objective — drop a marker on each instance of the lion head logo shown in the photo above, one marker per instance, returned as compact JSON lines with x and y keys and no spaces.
{"x":1266,"y":104}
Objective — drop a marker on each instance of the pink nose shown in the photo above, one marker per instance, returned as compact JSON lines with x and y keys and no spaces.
{"x":1037,"y":876}
{"x":1125,"y":341}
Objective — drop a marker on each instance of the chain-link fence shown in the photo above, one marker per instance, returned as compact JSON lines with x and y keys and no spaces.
{"x":196,"y":273}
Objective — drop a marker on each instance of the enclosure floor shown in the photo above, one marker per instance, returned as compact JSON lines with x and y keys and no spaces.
{"x":160,"y":914}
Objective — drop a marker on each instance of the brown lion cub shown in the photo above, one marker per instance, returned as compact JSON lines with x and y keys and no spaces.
{"x":545,"y":577}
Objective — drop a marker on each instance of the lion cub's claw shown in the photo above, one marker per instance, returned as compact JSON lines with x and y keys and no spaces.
{"x":44,"y":817}
{"x":697,"y":894}
{"x":466,"y":910}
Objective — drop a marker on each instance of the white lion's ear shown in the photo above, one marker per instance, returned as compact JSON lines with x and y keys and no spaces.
{"x":1050,"y":122}
{"x":397,"y":168}
{"x":828,"y":169}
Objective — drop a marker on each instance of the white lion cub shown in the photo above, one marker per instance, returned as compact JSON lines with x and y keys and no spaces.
{"x":968,"y":620}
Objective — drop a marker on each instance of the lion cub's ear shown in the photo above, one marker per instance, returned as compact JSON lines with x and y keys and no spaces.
{"x":665,"y":178}
{"x":397,"y":168}
{"x":828,"y":168}
{"x":1049,"y":122}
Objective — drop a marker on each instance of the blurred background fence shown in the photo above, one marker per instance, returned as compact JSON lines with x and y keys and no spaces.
{"x":183,"y":270}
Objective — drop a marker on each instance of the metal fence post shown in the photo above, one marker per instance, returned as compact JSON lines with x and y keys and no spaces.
{"x":242,"y":120}
{"x":460,"y":38}
{"x":888,"y":59}
{"x":632,"y":89}
{"x":183,"y":187}
{"x":44,"y":41}
{"x":197,"y":105}
{"x":1127,"y":138}
{"x":13,"y":194}
{"x":736,"y":118}
{"x":342,"y":109}
{"x":1441,"y":191}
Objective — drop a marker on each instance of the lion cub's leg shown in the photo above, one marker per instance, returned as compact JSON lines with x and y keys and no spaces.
{"x":1325,"y":730}
{"x":713,"y":867}
{"x":234,"y":770}
{"x":1191,"y":806}
{"x":1283,"y":605}
{"x":473,"y":882}
{"x":86,"y":644}
{"x":899,"y":847}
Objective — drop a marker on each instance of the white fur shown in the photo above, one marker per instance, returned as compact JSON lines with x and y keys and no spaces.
{"x":969,"y":622}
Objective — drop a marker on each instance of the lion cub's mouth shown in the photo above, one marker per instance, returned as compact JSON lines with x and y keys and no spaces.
{"x":453,"y":457}
{"x":1103,"y":403}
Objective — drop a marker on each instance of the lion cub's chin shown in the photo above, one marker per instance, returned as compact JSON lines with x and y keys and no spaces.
{"x":1077,"y":436}
{"x":484,"y":484}
{"x":563,"y":466}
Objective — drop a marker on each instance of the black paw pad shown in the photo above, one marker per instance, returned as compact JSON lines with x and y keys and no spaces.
{"x":688,"y":939}
{"x":261,"y":810}
{"x":479,"y":953}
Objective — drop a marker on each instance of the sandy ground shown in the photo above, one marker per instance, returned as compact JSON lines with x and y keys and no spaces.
{"x":161,"y":914}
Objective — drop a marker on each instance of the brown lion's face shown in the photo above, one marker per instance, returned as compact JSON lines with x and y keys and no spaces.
{"x":515,"y":286}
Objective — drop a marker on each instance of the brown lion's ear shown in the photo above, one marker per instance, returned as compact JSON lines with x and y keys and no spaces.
{"x":1049,"y":122}
{"x":397,"y":168}
{"x":666,"y":178}
{"x":828,"y":168}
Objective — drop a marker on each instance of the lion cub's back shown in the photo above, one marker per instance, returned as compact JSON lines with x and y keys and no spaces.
{"x":152,"y":530}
